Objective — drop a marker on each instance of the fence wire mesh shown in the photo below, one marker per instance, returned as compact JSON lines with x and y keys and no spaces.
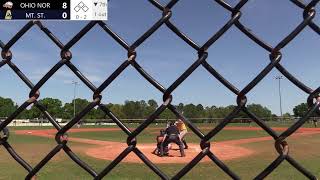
{"x":61,"y":138}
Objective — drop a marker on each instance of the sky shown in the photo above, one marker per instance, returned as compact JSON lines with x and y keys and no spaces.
{"x":165,"y":56}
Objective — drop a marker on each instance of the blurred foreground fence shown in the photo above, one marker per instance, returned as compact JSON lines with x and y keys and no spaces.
{"x":272,"y":52}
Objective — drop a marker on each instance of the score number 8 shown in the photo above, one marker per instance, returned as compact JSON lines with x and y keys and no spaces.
{"x":64,"y":5}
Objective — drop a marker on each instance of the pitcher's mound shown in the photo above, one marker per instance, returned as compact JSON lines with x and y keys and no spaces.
{"x":223,"y":152}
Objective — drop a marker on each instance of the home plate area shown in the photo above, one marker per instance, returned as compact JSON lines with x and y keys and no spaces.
{"x":224,"y":152}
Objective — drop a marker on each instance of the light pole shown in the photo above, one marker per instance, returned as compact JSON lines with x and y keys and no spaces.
{"x":75,"y":83}
{"x":280,"y":98}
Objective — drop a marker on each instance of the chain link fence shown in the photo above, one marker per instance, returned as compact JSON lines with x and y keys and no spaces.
{"x":61,"y":138}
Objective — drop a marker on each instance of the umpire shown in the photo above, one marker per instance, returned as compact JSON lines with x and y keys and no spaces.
{"x":172,"y":136}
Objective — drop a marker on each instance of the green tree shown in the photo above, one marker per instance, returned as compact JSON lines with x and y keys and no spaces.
{"x":222,"y":112}
{"x":300,"y":110}
{"x":135,"y":109}
{"x":68,"y":108}
{"x":259,"y":110}
{"x":200,"y":110}
{"x":117,"y":109}
{"x":151,"y":107}
{"x":153,"y":104}
{"x":190,"y":111}
{"x":180,"y":107}
{"x":53,"y":106}
{"x":33,"y":112}
{"x":7,"y":107}
{"x":132,"y":110}
{"x":129,"y":109}
{"x":209,"y":112}
{"x":167,"y":114}
{"x":99,"y":114}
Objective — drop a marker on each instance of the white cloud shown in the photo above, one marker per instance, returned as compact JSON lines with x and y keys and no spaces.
{"x":67,"y":76}
{"x":95,"y":78}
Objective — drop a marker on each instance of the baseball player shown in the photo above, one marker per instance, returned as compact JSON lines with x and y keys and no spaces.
{"x":183,"y":131}
{"x":315,"y":122}
{"x":160,"y":139}
{"x":172,"y":136}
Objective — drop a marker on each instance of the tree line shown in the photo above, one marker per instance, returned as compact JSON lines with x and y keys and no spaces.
{"x":133,"y":110}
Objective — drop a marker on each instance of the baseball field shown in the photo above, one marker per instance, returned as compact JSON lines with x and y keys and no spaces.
{"x":247,"y":150}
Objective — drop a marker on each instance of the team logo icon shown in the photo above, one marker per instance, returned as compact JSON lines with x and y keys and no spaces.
{"x":8,"y":6}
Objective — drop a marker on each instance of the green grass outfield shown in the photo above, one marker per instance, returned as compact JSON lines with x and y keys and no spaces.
{"x":305,"y":149}
{"x":149,"y":135}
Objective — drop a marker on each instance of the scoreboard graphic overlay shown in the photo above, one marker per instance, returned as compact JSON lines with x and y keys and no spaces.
{"x":54,"y":9}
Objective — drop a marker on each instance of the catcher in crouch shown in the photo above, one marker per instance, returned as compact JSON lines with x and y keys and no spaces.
{"x":159,"y":140}
{"x":172,"y":136}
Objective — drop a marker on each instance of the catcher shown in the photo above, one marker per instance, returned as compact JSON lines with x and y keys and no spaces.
{"x":159,"y":140}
